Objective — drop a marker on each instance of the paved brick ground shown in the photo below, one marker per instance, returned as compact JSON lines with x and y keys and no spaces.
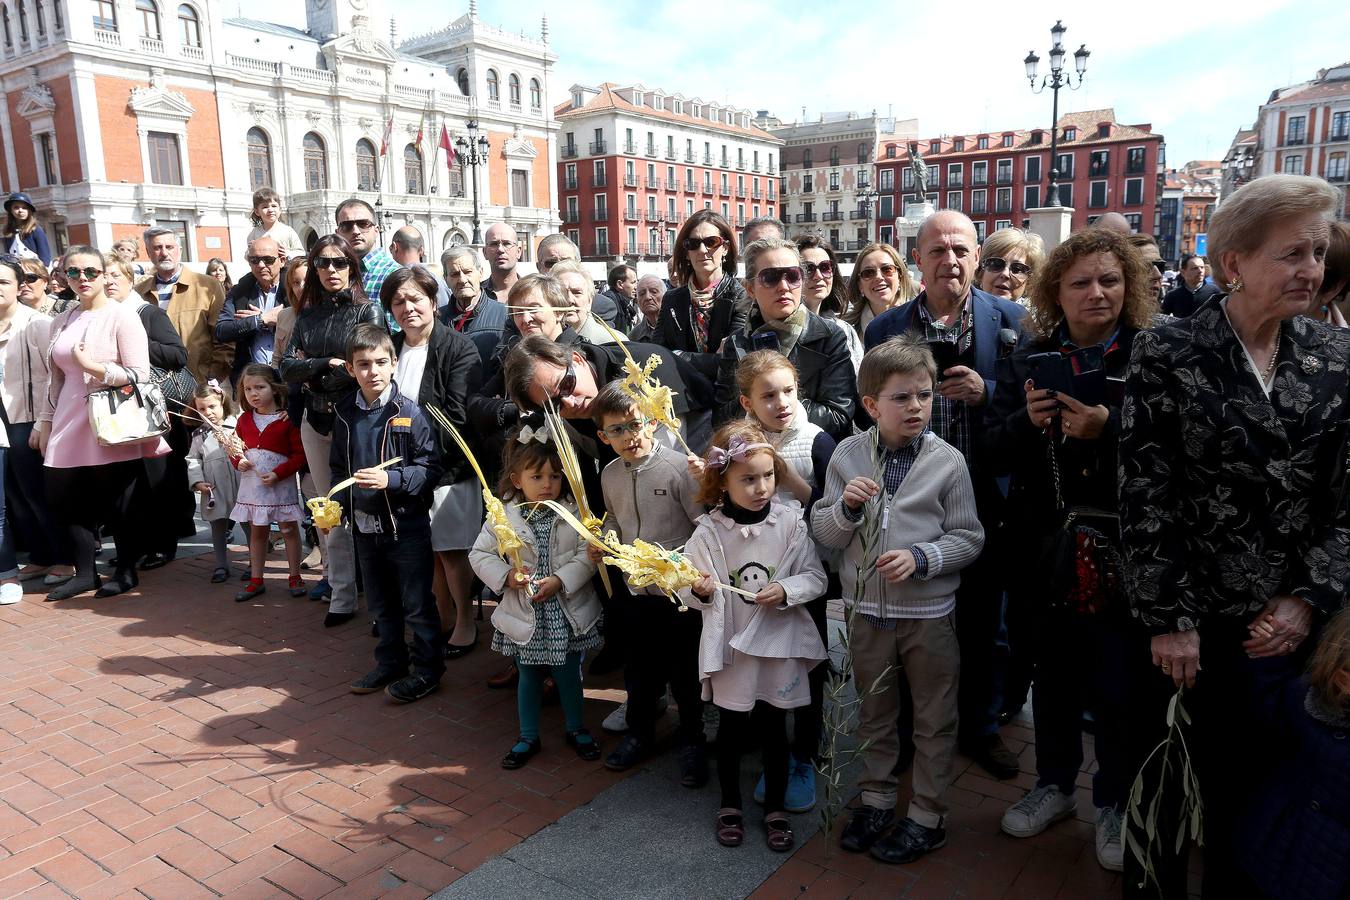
{"x":176,"y":744}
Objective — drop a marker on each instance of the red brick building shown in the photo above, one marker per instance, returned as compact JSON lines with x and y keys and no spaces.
{"x":995,"y":177}
{"x":635,"y":162}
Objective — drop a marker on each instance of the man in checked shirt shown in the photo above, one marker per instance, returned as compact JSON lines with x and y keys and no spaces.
{"x":978,"y":330}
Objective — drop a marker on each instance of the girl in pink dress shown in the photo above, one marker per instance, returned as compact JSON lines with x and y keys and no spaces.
{"x":273,"y":455}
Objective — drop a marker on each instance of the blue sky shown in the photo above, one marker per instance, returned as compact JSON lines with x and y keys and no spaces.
{"x":957,"y":68}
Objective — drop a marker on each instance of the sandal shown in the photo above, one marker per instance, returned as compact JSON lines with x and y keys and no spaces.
{"x":778,"y":833}
{"x":585,"y":745}
{"x":514,"y":758}
{"x":220,"y":574}
{"x":730,"y":827}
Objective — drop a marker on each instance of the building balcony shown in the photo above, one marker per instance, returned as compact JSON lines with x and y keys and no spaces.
{"x":1004,"y":178}
{"x":807,"y":189}
{"x":756,"y":194}
{"x":631,"y":215}
{"x":599,"y":180}
{"x":572,"y":216}
{"x":708,"y":190}
{"x":653,"y":184}
{"x":707,"y":159}
{"x":954,"y":183}
{"x":979,"y":180}
{"x":725,"y":164}
{"x":671,"y":154}
{"x":740,"y":221}
{"x":1293,"y":140}
{"x":630,"y":181}
{"x":860,"y":214}
{"x":832,"y":217}
{"x":690,"y":156}
{"x":600,"y":215}
{"x":602,"y":250}
{"x":1003,"y":208}
{"x":771,"y":170}
{"x":856,"y":245}
{"x":740,"y":165}
{"x":806,"y":217}
{"x":1339,"y":136}
{"x":1336,"y":177}
{"x":1099,"y":171}
{"x":672,"y":184}
{"x":979,"y":210}
{"x":651,"y":150}
{"x":655,"y":217}
{"x":755,"y":167}
{"x":690,"y":187}
{"x":630,"y":148}
{"x":740,"y":193}
{"x":598,"y":148}
{"x":569,"y":184}
{"x":569,"y":151}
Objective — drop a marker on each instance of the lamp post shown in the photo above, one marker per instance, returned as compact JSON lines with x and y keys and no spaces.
{"x":474,"y":151}
{"x":1056,"y":80}
{"x":866,"y":197}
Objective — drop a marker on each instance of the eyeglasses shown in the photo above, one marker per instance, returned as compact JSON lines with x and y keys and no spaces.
{"x":32,"y":278}
{"x":771,"y":276}
{"x":332,"y":262}
{"x":355,"y":225}
{"x":997,"y":264}
{"x":709,"y":243}
{"x":886,"y":271}
{"x":904,"y":397}
{"x":824,"y":268}
{"x":264,"y":260}
{"x":568,"y":383}
{"x":88,"y":272}
{"x":501,"y":245}
{"x":617,"y":432}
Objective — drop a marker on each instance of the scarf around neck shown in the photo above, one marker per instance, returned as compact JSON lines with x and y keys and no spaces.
{"x":789,"y":330}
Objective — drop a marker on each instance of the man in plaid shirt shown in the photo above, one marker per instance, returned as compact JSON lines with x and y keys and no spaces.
{"x":981,"y":329}
{"x":357,"y":224}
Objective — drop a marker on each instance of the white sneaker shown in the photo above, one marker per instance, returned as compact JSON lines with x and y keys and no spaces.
{"x":10,"y":593}
{"x":1037,"y":811}
{"x":617,"y":721}
{"x":1110,"y":850}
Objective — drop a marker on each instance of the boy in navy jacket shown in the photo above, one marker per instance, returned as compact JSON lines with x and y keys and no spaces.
{"x":389,"y":511}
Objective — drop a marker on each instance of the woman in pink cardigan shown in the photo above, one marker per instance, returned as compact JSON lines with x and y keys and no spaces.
{"x":98,"y":344}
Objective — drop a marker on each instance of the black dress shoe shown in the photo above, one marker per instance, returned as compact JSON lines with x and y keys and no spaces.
{"x":375,"y":680}
{"x":333,"y":619}
{"x":455,"y":651}
{"x":155,"y":561}
{"x":908,"y":842}
{"x":74,"y":587}
{"x":865,"y":827}
{"x":410,"y":688}
{"x":626,"y":755}
{"x":118,"y":584}
{"x":514,"y":758}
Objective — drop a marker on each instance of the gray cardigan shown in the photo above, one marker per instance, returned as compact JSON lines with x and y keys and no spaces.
{"x":933,"y":510}
{"x":653,"y":500}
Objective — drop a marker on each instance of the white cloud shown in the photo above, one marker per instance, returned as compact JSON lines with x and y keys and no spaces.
{"x":955,"y":67}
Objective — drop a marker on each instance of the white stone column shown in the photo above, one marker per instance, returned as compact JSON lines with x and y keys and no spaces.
{"x":1052,"y":223}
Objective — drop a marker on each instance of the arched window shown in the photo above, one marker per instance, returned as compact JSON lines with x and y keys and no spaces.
{"x":806,"y":158}
{"x":536,"y":94}
{"x":316,"y":163}
{"x":462,"y":79}
{"x":259,"y":159}
{"x":367,"y":170}
{"x":41,"y":18}
{"x":189,"y":27}
{"x":4,"y":20}
{"x":515,"y":89}
{"x":494,"y":86}
{"x":149,"y":13}
{"x":412,"y":170}
{"x":105,"y":16}
{"x":23,"y":22}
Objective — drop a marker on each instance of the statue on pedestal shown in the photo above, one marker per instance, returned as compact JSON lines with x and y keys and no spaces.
{"x":920,"y":170}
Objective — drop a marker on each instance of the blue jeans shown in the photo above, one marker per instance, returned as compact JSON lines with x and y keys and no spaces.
{"x":397,"y":570}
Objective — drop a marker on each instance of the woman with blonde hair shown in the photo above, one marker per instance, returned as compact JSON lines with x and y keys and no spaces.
{"x":1008,"y":258}
{"x":880,"y":282}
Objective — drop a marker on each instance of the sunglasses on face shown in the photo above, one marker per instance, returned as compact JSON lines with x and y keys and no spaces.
{"x":997,"y":264}
{"x":568,"y":383}
{"x":824,"y":268}
{"x":341,"y":263}
{"x":32,"y":278}
{"x":709,"y":243}
{"x":886,"y":271}
{"x":771,"y":276}
{"x":355,"y":225}
{"x":618,"y":432}
{"x":265,"y":260}
{"x":89,"y":273}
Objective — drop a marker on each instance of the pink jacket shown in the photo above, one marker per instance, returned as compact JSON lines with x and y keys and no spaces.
{"x":118,"y":338}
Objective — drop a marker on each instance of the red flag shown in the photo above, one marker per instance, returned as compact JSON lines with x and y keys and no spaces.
{"x":448,"y":147}
{"x":388,"y":133}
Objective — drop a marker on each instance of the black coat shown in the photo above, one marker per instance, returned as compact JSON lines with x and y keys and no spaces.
{"x":321,"y":333}
{"x":241,"y":332}
{"x":166,"y":347}
{"x":453,"y":373}
{"x":1010,"y":445}
{"x":1181,"y":302}
{"x":675,"y":327}
{"x":826,"y":384}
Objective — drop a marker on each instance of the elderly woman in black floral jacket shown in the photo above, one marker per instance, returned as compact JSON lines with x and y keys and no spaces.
{"x":1234,"y":427}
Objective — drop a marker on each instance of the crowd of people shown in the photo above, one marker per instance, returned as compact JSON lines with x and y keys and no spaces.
{"x":1024,"y":472}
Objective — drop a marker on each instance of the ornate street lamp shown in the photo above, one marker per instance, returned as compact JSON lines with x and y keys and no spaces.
{"x":474,"y":151}
{"x":1056,"y":80}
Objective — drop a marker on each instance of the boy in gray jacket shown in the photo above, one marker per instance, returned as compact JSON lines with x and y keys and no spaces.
{"x":898,"y":502}
{"x":650,"y":495}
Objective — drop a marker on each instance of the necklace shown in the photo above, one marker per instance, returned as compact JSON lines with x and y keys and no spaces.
{"x":1270,"y":366}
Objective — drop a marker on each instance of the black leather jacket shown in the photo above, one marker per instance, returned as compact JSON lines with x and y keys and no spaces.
{"x":321,"y":333}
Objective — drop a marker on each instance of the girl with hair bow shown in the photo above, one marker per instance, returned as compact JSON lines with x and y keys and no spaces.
{"x":209,"y":470}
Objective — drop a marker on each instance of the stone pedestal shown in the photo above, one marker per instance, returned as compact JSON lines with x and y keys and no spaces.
{"x":907,"y":227}
{"x":1052,"y":223}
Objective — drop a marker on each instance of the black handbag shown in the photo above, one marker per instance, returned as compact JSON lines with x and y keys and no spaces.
{"x":177,"y":386}
{"x":1082,"y":556}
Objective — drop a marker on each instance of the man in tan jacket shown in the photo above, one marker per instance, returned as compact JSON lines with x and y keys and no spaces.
{"x":192,"y":302}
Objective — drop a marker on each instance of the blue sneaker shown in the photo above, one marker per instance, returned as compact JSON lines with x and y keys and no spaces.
{"x":321,"y":590}
{"x":801,"y":787}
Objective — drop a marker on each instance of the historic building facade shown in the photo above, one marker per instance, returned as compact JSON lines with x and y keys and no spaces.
{"x":634,"y":162}
{"x":124,"y":113}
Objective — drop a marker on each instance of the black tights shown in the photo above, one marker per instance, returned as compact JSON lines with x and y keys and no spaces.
{"x":83,"y":498}
{"x":766,"y":726}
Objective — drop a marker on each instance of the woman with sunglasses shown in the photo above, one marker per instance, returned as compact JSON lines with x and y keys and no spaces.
{"x":823,"y":290}
{"x":332,"y":305}
{"x":709,"y":304}
{"x":779,"y":321}
{"x":24,"y":336}
{"x":880,"y":282}
{"x":1008,"y":257}
{"x":99,"y":343}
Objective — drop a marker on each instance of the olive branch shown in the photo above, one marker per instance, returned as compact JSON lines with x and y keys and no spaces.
{"x":840,"y":713}
{"x":1174,"y":763}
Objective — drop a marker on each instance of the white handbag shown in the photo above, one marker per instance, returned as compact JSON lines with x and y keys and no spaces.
{"x":131,"y":414}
